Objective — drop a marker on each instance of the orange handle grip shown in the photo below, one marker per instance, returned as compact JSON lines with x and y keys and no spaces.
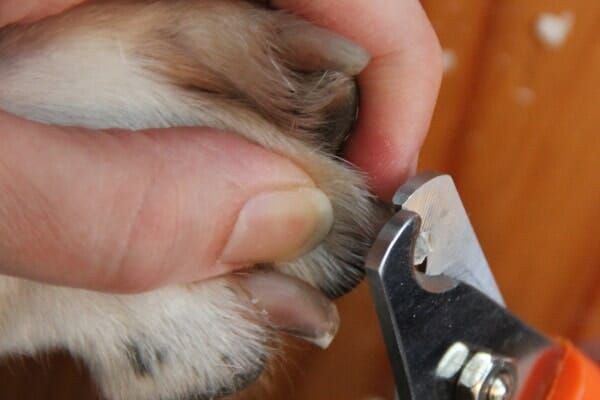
{"x":576,"y":378}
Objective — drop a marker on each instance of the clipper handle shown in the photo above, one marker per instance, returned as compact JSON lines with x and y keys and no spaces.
{"x":576,"y":378}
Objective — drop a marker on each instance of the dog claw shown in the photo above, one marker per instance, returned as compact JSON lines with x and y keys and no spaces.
{"x":292,"y":306}
{"x":315,"y":48}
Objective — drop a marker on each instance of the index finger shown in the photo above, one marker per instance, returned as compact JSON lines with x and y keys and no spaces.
{"x":398,"y":88}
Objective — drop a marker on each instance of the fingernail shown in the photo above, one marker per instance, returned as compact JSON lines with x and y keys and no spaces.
{"x":316,"y":48}
{"x":292,"y":306}
{"x":278,"y":226}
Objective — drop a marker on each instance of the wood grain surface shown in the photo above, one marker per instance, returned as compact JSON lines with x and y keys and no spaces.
{"x":518,"y":126}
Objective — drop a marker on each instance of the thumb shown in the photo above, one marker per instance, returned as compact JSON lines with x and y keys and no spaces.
{"x":129,"y":211}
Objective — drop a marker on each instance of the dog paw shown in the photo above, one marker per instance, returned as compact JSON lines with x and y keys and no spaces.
{"x":267,"y":75}
{"x":289,"y":86}
{"x":199,"y":341}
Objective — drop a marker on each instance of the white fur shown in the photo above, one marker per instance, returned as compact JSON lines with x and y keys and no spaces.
{"x":91,"y":81}
{"x":177,"y":332}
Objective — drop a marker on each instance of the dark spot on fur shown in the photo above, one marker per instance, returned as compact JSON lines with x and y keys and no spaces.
{"x":139,"y":362}
{"x":160,"y":356}
{"x":239,"y":381}
{"x":226,"y":359}
{"x":243,"y":379}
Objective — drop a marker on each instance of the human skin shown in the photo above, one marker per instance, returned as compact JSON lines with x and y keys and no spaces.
{"x":45,"y":203}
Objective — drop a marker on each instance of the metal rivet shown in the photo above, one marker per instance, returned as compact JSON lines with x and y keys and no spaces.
{"x":500,"y":387}
{"x":479,"y":376}
{"x":486,"y":377}
{"x":453,"y":361}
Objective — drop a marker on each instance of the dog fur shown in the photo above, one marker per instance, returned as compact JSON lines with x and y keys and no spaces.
{"x":230,"y":65}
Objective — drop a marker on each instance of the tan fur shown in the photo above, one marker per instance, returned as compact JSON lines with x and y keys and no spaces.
{"x":145,"y":64}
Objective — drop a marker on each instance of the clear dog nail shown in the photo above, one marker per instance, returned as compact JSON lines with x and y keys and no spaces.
{"x":279,"y":226}
{"x":315,"y":48}
{"x":292,"y":306}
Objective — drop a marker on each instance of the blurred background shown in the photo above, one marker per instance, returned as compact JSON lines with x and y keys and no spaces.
{"x":518,"y":127}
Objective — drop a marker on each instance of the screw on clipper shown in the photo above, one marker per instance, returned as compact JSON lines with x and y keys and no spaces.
{"x":477,"y":376}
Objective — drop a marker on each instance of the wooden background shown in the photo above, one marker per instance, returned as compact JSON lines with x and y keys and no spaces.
{"x":518,"y":126}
